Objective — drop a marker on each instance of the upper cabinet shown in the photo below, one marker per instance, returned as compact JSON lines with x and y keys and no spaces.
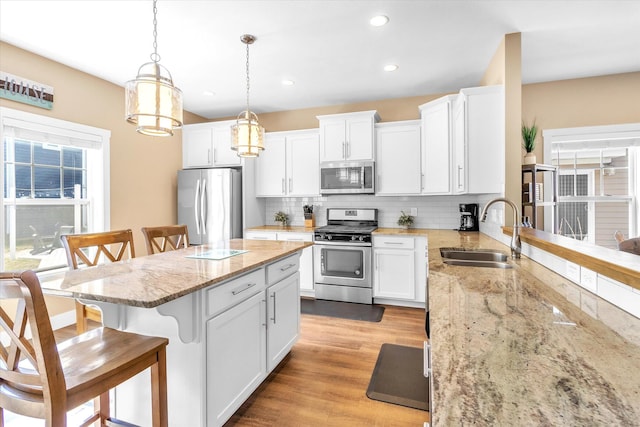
{"x":347,"y":137}
{"x":398,"y":158}
{"x":289,"y":165}
{"x":437,"y":134}
{"x":207,"y":145}
{"x":463,"y":142}
{"x":479,"y":140}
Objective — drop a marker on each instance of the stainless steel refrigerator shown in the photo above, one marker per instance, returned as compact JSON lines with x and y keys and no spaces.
{"x":210,"y":204}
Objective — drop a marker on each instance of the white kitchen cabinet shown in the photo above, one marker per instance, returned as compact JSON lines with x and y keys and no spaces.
{"x":398,"y":168}
{"x":437,"y":137}
{"x":283,"y":319}
{"x":236,"y":357}
{"x":289,"y":165}
{"x":260,"y":235}
{"x":306,"y":260}
{"x":347,"y":137}
{"x":206,"y":145}
{"x":400,"y":270}
{"x":479,"y":140}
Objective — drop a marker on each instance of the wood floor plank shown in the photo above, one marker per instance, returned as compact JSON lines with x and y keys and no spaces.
{"x":324,"y":379}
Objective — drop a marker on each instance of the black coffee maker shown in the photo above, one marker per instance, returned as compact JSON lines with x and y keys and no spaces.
{"x":468,"y":217}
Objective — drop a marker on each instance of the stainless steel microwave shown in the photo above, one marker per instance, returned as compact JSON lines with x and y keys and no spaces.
{"x":347,"y":177}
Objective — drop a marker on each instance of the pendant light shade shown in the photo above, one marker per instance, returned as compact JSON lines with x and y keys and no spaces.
{"x":247,"y":134}
{"x":153,"y":104}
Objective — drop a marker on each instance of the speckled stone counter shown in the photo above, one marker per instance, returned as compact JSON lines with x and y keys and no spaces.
{"x":153,"y":280}
{"x":510,"y":348}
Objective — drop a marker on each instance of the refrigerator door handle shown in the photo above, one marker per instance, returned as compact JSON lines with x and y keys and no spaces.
{"x":195,"y":207}
{"x":203,"y":209}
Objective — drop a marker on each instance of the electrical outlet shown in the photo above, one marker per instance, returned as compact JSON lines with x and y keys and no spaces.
{"x":414,"y":212}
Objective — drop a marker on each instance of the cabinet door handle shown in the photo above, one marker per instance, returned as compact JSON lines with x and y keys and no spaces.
{"x":243,"y":288}
{"x":344,"y":152}
{"x":273,"y":295}
{"x":459,"y":178}
{"x":290,"y":185}
{"x":263,"y":309}
{"x":348,"y":153}
{"x":214,"y":155}
{"x":287,"y":267}
{"x":283,"y":189}
{"x":422,"y":181}
{"x":209,"y":161}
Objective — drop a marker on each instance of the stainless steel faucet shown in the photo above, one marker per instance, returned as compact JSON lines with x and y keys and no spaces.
{"x":516,"y":245}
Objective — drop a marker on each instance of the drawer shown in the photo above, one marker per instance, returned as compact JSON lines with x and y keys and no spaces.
{"x":283,"y":268}
{"x":393,"y":242}
{"x":221,"y":297}
{"x":260,"y":235}
{"x":296,"y":237}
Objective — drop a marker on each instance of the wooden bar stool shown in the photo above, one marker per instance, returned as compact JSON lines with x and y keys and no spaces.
{"x":164,"y":238}
{"x":39,"y":379}
{"x":110,"y":246}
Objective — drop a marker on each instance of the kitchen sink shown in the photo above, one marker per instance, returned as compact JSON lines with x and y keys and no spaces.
{"x":475,"y":257}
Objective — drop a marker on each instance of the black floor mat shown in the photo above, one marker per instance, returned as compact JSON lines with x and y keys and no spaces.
{"x":398,"y":377}
{"x":343,"y":310}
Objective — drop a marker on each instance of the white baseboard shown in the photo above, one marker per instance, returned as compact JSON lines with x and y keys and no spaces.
{"x":63,"y":319}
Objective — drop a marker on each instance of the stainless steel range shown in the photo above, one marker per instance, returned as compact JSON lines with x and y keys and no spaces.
{"x":343,"y":257}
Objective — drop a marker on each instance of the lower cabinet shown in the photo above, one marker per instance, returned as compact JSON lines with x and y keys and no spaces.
{"x":283,"y":319}
{"x":250,"y":331}
{"x":236,"y":357}
{"x":306,"y":258}
{"x":400,"y":267}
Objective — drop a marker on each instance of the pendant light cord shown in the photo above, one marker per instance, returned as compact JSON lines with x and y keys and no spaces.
{"x":154,"y":56}
{"x":248,"y":86}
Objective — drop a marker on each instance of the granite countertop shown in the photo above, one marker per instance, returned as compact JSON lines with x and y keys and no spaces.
{"x":511,"y":347}
{"x":152,"y":280}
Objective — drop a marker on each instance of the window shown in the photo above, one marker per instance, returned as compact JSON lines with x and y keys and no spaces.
{"x":598,"y":181}
{"x":55,"y":181}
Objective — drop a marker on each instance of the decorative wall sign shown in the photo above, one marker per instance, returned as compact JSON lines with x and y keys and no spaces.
{"x":26,"y":91}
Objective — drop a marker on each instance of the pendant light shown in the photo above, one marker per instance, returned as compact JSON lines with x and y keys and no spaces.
{"x":247,"y":133}
{"x":153,"y":103}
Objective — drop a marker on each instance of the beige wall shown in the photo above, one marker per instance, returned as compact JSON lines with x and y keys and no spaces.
{"x":389,"y":110}
{"x":593,"y":101}
{"x":143,"y":169}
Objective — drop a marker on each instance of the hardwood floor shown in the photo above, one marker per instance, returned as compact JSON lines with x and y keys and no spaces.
{"x":324,"y":379}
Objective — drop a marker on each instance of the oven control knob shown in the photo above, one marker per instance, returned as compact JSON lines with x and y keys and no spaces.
{"x":357,"y":272}
{"x":353,"y":237}
{"x":329,"y":237}
{"x":361,"y":238}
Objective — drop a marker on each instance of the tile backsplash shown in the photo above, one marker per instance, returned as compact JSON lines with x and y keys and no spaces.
{"x":436,"y":212}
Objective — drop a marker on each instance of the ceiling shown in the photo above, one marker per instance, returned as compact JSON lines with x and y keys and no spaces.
{"x":327,"y":47}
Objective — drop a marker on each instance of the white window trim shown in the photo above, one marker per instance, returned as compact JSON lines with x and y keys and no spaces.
{"x":101,"y":215}
{"x":617,"y":134}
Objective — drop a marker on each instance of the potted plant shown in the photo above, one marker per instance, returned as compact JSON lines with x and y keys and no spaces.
{"x":282,"y":218}
{"x":405,"y":220}
{"x":529,"y":134}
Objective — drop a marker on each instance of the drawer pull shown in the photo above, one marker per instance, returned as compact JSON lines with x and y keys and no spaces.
{"x":287,"y":267}
{"x":393,"y":243}
{"x":245,"y":287}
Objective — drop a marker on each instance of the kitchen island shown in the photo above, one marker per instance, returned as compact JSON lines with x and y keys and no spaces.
{"x":231,"y":313}
{"x":525,"y":346}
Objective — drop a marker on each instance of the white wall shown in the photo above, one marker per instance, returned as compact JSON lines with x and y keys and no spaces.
{"x":435,"y":212}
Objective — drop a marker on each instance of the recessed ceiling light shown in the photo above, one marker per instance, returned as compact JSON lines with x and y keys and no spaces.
{"x":208,"y":93}
{"x":390,"y":67}
{"x":379,"y":21}
{"x":288,"y":82}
